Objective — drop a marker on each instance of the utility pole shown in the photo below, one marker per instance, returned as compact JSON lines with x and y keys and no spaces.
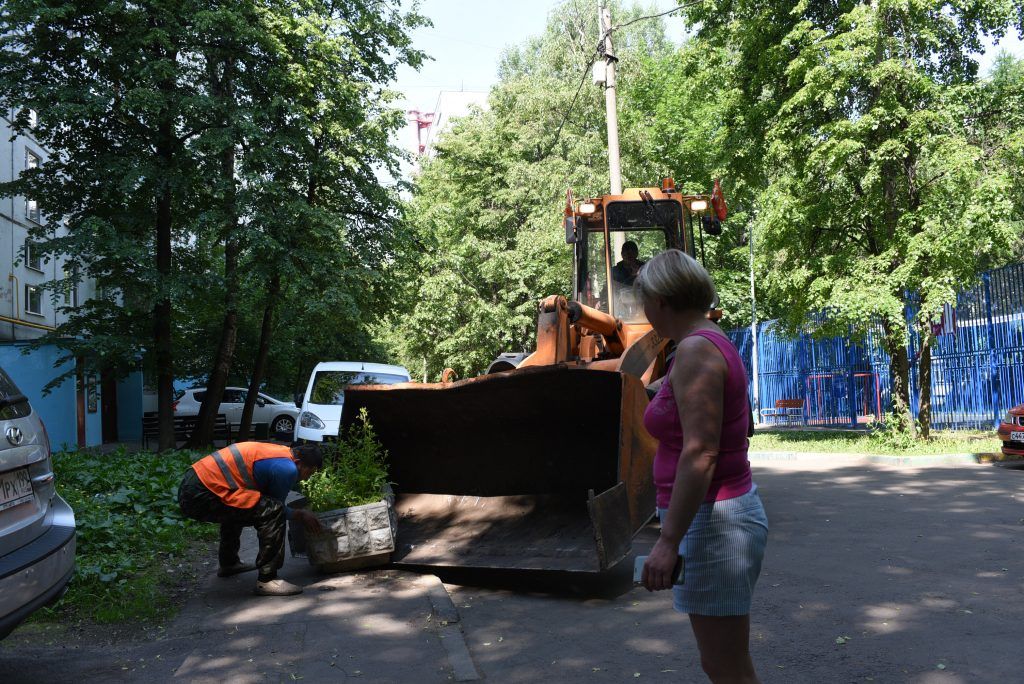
{"x":611,"y":111}
{"x":612,"y":243}
{"x":756,"y":381}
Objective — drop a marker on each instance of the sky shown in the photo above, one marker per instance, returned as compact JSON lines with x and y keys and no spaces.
{"x":467,"y":40}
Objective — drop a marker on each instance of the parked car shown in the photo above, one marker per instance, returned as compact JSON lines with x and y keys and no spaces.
{"x":325,"y":394}
{"x":1011,"y":431}
{"x":279,"y":415}
{"x":37,"y":527}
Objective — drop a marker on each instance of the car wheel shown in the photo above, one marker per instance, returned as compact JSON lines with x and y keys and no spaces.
{"x":283,"y":424}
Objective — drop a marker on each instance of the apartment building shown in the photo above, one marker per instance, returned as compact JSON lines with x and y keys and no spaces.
{"x":451,"y":104}
{"x":80,"y":412}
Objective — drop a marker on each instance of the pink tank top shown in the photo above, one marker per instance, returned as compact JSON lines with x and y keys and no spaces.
{"x":732,"y":476}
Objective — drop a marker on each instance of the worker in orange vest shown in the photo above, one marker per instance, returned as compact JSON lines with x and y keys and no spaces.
{"x":245,"y":484}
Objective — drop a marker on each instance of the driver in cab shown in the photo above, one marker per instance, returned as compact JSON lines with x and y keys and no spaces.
{"x":625,"y":271}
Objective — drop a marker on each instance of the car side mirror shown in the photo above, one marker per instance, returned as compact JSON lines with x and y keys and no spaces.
{"x":261,"y":402}
{"x":570,"y":230}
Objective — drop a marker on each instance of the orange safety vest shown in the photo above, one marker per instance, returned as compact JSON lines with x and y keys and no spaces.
{"x":228,"y":472}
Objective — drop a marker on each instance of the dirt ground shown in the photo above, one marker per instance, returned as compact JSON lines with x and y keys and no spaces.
{"x":59,"y":629}
{"x":873,"y":574}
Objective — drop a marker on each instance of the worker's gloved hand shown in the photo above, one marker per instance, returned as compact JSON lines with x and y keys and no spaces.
{"x":308,"y":520}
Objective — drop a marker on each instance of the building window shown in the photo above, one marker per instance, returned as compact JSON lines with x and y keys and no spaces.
{"x":33,"y":300}
{"x":33,"y":256}
{"x":71,"y":286}
{"x":32,"y":212}
{"x":33,"y":120}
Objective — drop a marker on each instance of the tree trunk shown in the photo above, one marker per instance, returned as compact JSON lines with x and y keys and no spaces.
{"x":899,"y":372}
{"x":301,"y":380}
{"x":266,"y":331}
{"x":924,"y":375}
{"x":202,"y":435}
{"x":162,"y":309}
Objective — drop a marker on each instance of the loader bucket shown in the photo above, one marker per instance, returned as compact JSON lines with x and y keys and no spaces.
{"x":543,"y":468}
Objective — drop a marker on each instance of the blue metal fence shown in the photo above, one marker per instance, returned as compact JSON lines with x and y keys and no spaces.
{"x":977,"y":371}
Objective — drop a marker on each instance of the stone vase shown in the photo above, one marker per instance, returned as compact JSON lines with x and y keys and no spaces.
{"x":354,"y":537}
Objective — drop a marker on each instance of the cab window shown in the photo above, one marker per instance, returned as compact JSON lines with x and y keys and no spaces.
{"x":638,"y":232}
{"x":630,"y":250}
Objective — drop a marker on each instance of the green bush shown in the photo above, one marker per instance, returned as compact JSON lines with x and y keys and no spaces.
{"x":130,"y":531}
{"x":354,"y":472}
{"x":887,"y":434}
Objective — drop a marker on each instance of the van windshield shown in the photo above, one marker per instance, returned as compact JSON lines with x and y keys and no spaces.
{"x":329,"y":386}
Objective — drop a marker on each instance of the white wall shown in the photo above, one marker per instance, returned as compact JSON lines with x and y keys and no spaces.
{"x":14,"y":225}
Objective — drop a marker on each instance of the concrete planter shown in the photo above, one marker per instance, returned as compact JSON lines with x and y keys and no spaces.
{"x":354,"y":537}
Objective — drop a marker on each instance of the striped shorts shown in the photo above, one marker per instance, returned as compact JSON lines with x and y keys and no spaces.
{"x":722,"y":553}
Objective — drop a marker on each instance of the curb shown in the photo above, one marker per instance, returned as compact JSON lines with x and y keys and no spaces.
{"x":450,"y":629}
{"x":883,"y":459}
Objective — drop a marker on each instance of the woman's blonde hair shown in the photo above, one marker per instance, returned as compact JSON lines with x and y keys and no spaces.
{"x":677,"y":278}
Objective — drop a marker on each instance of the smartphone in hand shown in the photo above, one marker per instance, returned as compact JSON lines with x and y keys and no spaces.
{"x":638,"y":570}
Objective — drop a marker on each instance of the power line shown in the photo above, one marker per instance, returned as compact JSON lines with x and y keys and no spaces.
{"x":654,"y":16}
{"x":600,"y":51}
{"x":565,"y":117}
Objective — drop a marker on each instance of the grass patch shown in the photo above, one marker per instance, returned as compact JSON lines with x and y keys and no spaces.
{"x":865,"y":443}
{"x":130,"y":533}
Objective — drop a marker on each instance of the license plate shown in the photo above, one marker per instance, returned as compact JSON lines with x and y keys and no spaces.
{"x":15,"y":488}
{"x":1017,"y":436}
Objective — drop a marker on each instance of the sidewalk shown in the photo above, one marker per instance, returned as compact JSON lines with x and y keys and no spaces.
{"x":377,"y":626}
{"x":370,"y":626}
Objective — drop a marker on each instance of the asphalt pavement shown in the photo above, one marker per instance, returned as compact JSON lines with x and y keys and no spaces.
{"x":874,"y":573}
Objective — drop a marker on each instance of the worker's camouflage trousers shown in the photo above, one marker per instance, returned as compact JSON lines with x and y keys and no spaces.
{"x":267,"y":516}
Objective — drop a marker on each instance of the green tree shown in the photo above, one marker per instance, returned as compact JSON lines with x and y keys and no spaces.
{"x":680,"y":108}
{"x":872,"y":167}
{"x":118,"y":104}
{"x":310,"y":118}
{"x":999,"y":131}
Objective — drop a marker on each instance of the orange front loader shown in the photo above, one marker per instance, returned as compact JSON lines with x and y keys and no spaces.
{"x":543,"y":462}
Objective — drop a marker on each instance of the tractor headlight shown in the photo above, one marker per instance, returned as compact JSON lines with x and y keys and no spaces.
{"x":311,"y":420}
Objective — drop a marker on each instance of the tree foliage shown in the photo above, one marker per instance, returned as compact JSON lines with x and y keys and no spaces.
{"x":875,"y":168}
{"x":201,"y":152}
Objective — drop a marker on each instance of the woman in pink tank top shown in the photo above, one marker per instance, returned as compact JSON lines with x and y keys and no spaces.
{"x":711,"y":514}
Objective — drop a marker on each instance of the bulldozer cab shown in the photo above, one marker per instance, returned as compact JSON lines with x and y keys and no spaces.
{"x":615,"y":235}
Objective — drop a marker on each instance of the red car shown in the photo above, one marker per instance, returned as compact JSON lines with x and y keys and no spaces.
{"x":1011,"y":431}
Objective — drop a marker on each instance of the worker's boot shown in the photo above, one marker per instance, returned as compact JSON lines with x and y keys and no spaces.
{"x":236,"y":569}
{"x":276,"y":587}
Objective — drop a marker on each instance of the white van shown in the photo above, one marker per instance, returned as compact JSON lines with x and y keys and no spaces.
{"x":325,"y":394}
